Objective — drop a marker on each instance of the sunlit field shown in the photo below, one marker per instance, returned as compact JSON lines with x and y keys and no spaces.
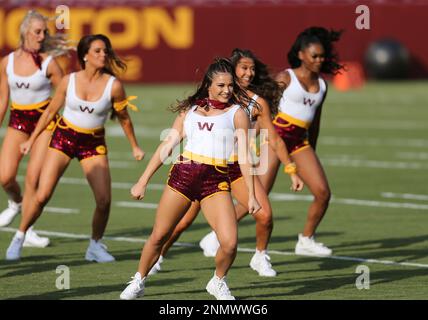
{"x":374,"y":146}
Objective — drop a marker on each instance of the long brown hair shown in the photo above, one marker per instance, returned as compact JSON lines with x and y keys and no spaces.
{"x":113,"y":62}
{"x":262,"y":84}
{"x":219,"y":65}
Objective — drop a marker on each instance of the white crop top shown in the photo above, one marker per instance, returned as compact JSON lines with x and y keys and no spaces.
{"x":299,"y":103}
{"x":253,"y":120}
{"x":27,"y":90}
{"x":210,"y":136}
{"x":87,"y":114}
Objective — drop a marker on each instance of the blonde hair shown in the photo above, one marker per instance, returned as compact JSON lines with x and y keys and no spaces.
{"x":55,"y":45}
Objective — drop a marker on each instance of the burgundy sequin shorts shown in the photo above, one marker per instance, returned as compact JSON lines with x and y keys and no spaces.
{"x":234,"y":172}
{"x":26,"y":120}
{"x":295,"y":137}
{"x":81,"y":145}
{"x":197,"y":181}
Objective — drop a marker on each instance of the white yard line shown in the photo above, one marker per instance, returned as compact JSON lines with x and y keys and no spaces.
{"x":412,"y":155}
{"x":193,"y":245}
{"x":357,"y":163}
{"x":135,"y":204}
{"x":377,"y":124}
{"x":61,"y":210}
{"x":374,"y":142}
{"x":273,"y":196}
{"x":358,"y":202}
{"x":407,"y":196}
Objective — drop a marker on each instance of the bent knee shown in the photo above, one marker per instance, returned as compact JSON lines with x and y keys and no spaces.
{"x":7,"y":180}
{"x":159,"y":238}
{"x":323,"y":195}
{"x":264,"y":217}
{"x":229,"y":246}
{"x":42,"y":197}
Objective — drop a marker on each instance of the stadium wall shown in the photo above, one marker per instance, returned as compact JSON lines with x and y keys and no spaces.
{"x":174,"y":43}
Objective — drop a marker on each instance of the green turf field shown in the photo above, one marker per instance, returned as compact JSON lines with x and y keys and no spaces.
{"x":374,"y":146}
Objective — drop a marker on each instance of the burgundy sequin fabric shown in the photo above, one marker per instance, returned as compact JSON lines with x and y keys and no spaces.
{"x":295,"y":137}
{"x":77,"y":144}
{"x":197,"y":181}
{"x":234,"y":172}
{"x":25,"y":120}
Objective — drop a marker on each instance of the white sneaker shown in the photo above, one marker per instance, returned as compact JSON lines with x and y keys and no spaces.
{"x":32,"y":239}
{"x":15,"y":247}
{"x":219,"y":289}
{"x":135,"y":288}
{"x":156,"y":267}
{"x":209,"y":244}
{"x":307,"y":246}
{"x":97,"y":251}
{"x":260,"y":262}
{"x":8,"y":214}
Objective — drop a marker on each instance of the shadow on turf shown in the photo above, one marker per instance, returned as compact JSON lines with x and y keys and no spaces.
{"x":289,"y":241}
{"x":301,"y":288}
{"x":145,"y":232}
{"x":83,"y":292}
{"x":45,"y":263}
{"x":384,"y":243}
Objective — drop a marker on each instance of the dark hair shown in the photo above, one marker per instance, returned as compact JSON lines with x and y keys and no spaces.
{"x":262,"y":84}
{"x":219,"y":65}
{"x":325,"y":38}
{"x":113,"y":62}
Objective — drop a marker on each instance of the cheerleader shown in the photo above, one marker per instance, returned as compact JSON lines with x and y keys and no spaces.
{"x":89,"y":96}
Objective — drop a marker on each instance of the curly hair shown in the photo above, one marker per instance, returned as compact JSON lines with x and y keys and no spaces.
{"x":262,"y":84}
{"x":325,"y":38}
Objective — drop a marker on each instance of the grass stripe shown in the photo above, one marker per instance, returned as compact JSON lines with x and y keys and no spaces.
{"x":61,"y":210}
{"x":409,"y":196}
{"x":358,"y":202}
{"x":273,"y":196}
{"x":240,"y":249}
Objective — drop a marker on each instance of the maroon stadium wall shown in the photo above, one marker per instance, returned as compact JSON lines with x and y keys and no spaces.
{"x":174,"y":42}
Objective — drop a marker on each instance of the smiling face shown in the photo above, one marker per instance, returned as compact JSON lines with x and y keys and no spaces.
{"x":35,"y":35}
{"x":312,"y":57}
{"x":97,"y":54}
{"x":245,"y":71}
{"x":221,"y":87}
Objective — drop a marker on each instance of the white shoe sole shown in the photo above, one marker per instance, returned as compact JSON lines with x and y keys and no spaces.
{"x":209,"y":254}
{"x":260,"y":274}
{"x":122,"y":297}
{"x":32,"y":245}
{"x":210,"y":291}
{"x":91,"y":257}
{"x":8,"y":222}
{"x":302,"y":252}
{"x":13,"y":259}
